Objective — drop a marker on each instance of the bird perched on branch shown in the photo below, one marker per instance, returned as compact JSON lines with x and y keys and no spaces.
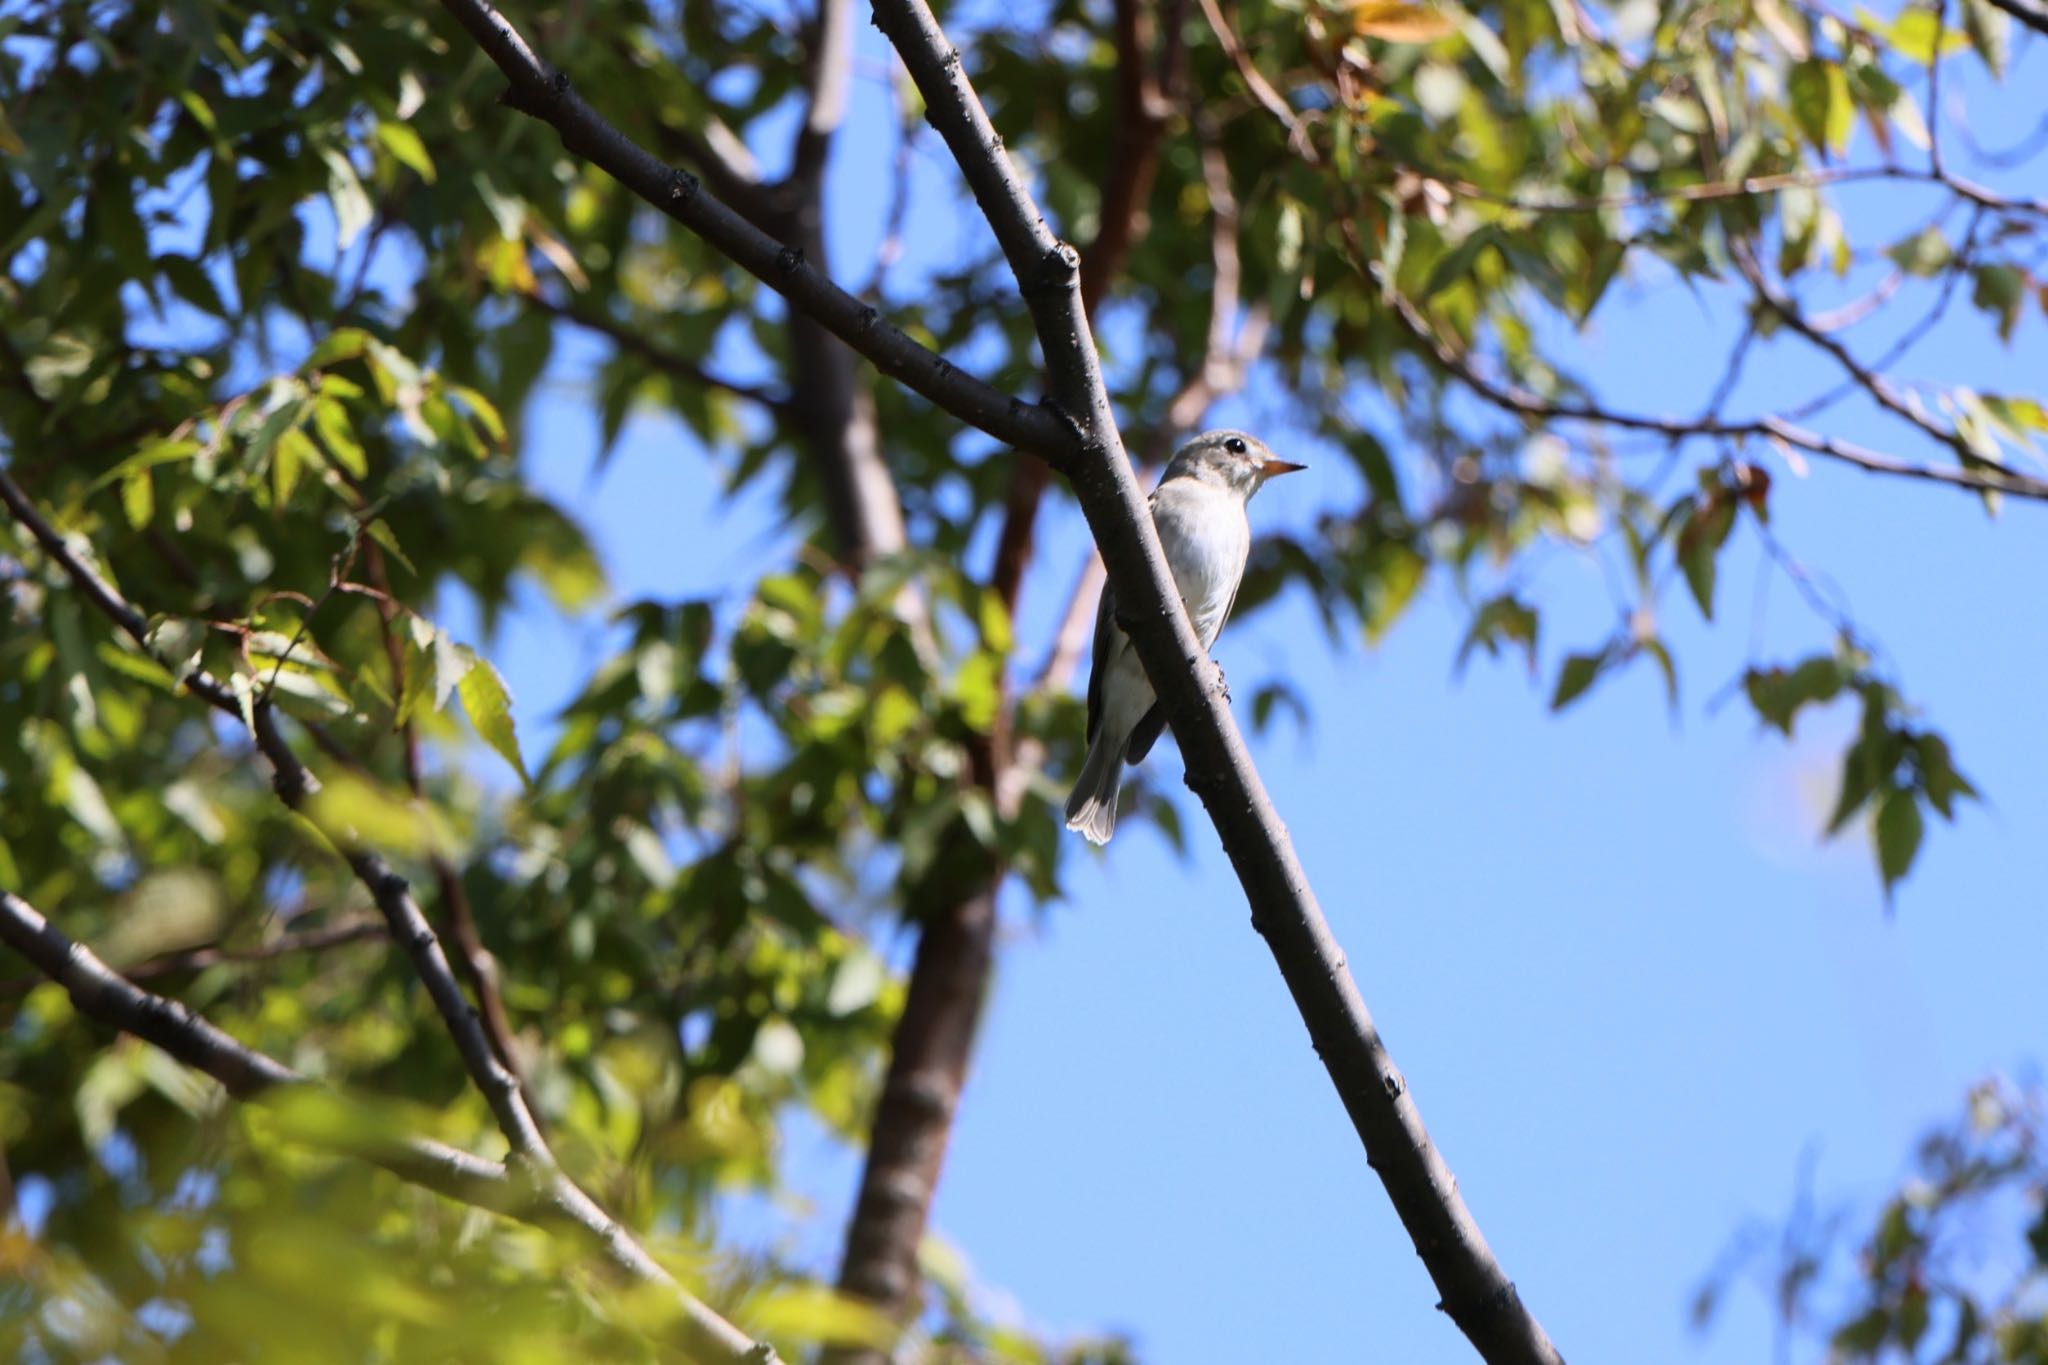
{"x":1199,"y":511}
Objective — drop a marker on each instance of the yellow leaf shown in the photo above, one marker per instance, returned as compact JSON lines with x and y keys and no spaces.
{"x":1400,"y":21}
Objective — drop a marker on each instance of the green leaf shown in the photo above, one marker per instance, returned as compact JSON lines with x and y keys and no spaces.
{"x":189,"y":280}
{"x":1859,"y":780}
{"x":1501,"y":620}
{"x":138,"y":497}
{"x":1938,"y":775}
{"x":294,"y":454}
{"x":1925,"y":254}
{"x":1990,"y":32}
{"x":379,"y":531}
{"x":330,"y":419}
{"x":483,"y":410}
{"x":1914,"y":33}
{"x":352,"y":210}
{"x":2000,"y":290}
{"x":155,"y":453}
{"x":489,"y":707}
{"x":343,"y":343}
{"x":1578,"y":674}
{"x":1778,"y":694}
{"x":1458,"y":262}
{"x":1821,"y":106}
{"x":405,"y":146}
{"x":1899,"y":828}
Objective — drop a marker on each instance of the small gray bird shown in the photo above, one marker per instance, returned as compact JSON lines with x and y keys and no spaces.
{"x":1198,"y":509}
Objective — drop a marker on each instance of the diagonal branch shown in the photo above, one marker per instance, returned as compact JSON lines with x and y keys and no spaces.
{"x":2029,"y":12}
{"x":1777,"y":430}
{"x":544,"y":93}
{"x":668,"y":362}
{"x":1476,"y":1293}
{"x":1080,"y":436}
{"x":99,"y":992}
{"x":700,"y":1329}
{"x":340,"y":935}
{"x":1144,"y":104}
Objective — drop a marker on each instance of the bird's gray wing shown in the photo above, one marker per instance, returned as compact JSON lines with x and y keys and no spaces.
{"x":1143,"y":735}
{"x":1098,"y":661}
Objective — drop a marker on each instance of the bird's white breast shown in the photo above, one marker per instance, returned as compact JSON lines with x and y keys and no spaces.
{"x":1207,"y":540}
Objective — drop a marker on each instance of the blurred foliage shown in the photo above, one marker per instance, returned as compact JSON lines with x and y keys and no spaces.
{"x":1954,"y":1268}
{"x":279,"y":288}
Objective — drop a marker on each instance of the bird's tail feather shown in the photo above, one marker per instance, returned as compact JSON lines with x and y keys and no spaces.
{"x":1091,"y":809}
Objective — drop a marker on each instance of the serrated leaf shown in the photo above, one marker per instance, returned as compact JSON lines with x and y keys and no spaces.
{"x":489,"y":707}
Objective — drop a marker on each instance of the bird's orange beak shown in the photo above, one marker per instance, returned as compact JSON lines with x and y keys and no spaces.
{"x":1273,"y":467}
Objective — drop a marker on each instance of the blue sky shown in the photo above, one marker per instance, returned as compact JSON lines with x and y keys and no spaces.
{"x":1628,"y":983}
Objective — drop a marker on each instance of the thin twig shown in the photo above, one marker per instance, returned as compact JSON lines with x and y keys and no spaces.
{"x":660,"y":357}
{"x":544,"y":93}
{"x":99,"y":992}
{"x":1773,"y":428}
{"x":199,"y":959}
{"x":699,"y":1327}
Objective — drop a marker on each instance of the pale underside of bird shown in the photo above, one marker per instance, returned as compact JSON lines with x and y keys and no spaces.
{"x":1199,"y":511}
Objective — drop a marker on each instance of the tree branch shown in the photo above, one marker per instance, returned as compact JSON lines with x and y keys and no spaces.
{"x":1774,"y":429}
{"x":668,"y":362}
{"x":2032,"y":15}
{"x":699,"y":1328}
{"x":216,"y":955}
{"x":544,"y":93}
{"x":1143,"y":106}
{"x":1476,"y":1292}
{"x":99,"y":992}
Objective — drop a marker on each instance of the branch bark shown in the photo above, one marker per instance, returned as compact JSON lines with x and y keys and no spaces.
{"x":1476,"y":1292}
{"x":541,"y":92}
{"x":199,"y":959}
{"x":932,"y":1047}
{"x":698,"y":1328}
{"x":1077,"y":433}
{"x":99,"y":992}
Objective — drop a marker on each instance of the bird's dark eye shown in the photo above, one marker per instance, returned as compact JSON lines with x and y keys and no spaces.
{"x":1235,"y":445}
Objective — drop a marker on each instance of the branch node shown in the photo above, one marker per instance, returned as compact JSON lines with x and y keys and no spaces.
{"x":683,"y":187}
{"x":789,"y":260}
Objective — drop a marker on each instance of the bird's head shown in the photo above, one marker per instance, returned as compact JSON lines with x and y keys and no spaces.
{"x":1229,"y":459}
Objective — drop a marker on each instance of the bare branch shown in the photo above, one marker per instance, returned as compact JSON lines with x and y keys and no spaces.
{"x":1775,"y":429}
{"x":1476,"y":1293}
{"x":544,"y":93}
{"x":700,"y":1329}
